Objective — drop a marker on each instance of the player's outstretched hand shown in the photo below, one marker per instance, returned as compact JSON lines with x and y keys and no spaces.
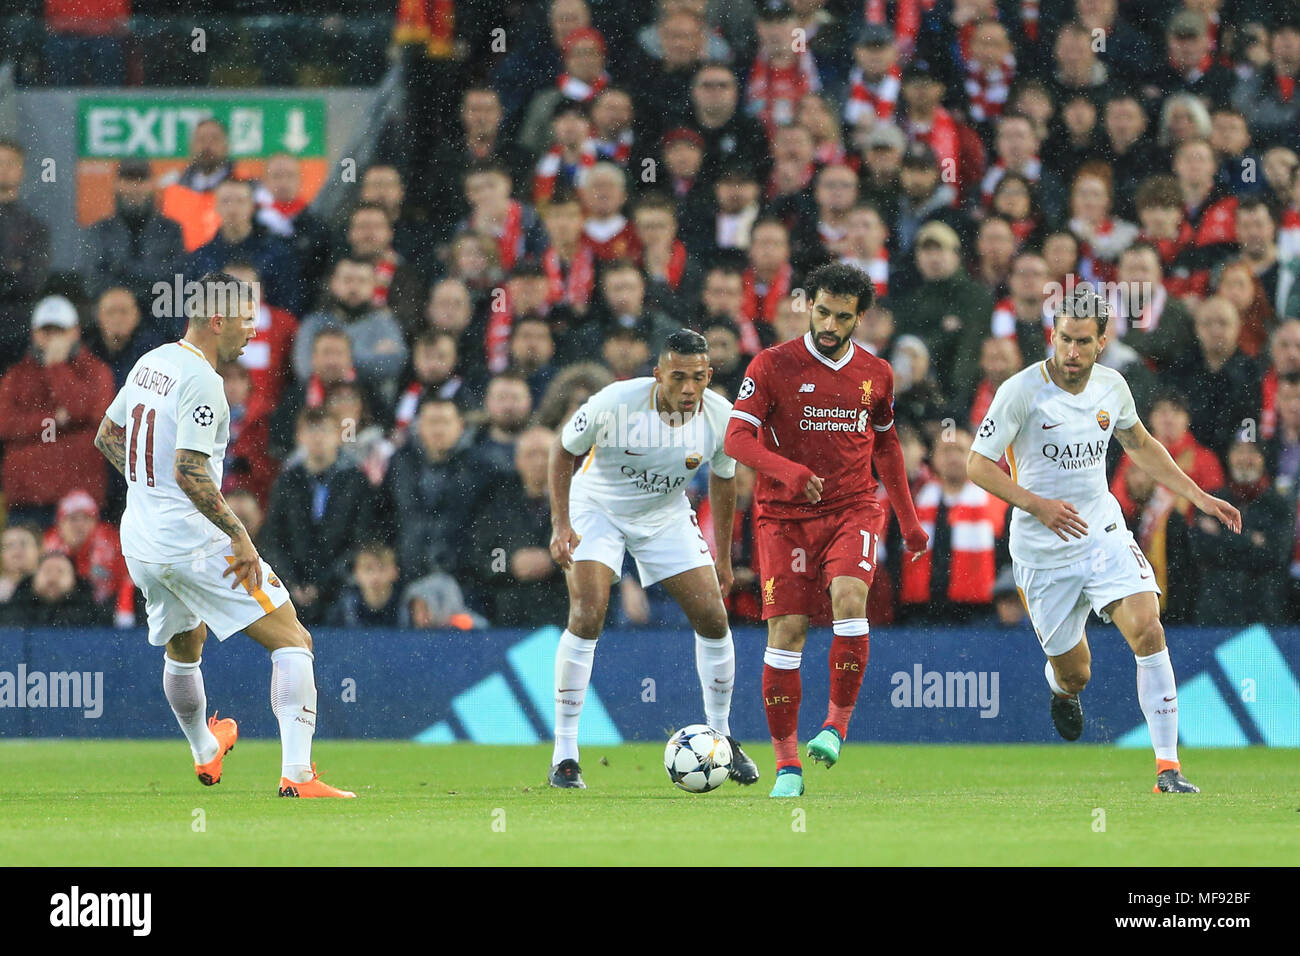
{"x":916,"y":541}
{"x":1062,"y":518}
{"x":1218,"y":508}
{"x":246,"y":566}
{"x":813,"y":490}
{"x":563,"y":542}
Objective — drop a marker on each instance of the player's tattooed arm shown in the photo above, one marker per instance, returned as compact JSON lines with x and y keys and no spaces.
{"x":192,"y":478}
{"x":111,"y":442}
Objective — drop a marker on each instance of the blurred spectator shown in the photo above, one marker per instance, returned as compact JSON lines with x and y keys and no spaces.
{"x":433,"y":372}
{"x":793,"y":166}
{"x":1238,"y":163}
{"x":571,"y":152}
{"x":436,"y":601}
{"x":20,"y":552}
{"x":729,"y":133}
{"x":623,"y":305}
{"x":268,"y":356}
{"x":240,"y":237}
{"x":1145,"y":315}
{"x":512,"y":225}
{"x":51,"y":404}
{"x":782,"y":73}
{"x":137,"y":245}
{"x":1165,"y":543}
{"x":1282,"y":446}
{"x":1016,"y":147}
{"x":24,"y":256}
{"x":1267,"y":96}
{"x":1284,"y":355}
{"x":956,"y":148}
{"x":189,"y":197}
{"x":526,"y":292}
{"x":725,"y":357}
{"x":1076,"y":138}
{"x":683,"y":159}
{"x":1239,"y":285}
{"x":953,"y":581}
{"x":247,"y":509}
{"x":1257,"y":237}
{"x":1125,"y":51}
{"x":1169,"y":426}
{"x":435,"y":483}
{"x":864,"y":246}
{"x":521,"y":585}
{"x":286,"y":213}
{"x":875,"y":332}
{"x":1183,"y":119}
{"x":399,"y":286}
{"x":1024,"y":317}
{"x":583,"y":76}
{"x":1102,"y":237}
{"x":378,"y":347}
{"x":320,"y":512}
{"x":817,"y":115}
{"x":664,"y":82}
{"x":672,"y":279}
{"x":118,"y":337}
{"x":248,"y":462}
{"x":371,"y":598}
{"x":1190,"y":66}
{"x":569,"y":264}
{"x":737,"y":209}
{"x":85,"y":42}
{"x":568,"y":391}
{"x":607,"y":231}
{"x":412,"y":239}
{"x":923,"y":197}
{"x":820,"y":225}
{"x":532,"y":352}
{"x":875,"y":80}
{"x":770,"y":277}
{"x":1007,"y":603}
{"x":1210,"y":209}
{"x":96,"y":553}
{"x":917,"y":399}
{"x":995,"y":246}
{"x":999,"y":360}
{"x":948,"y":311}
{"x":1221,"y":381}
{"x":626,"y":353}
{"x":507,"y":407}
{"x":53,"y":597}
{"x":881,"y":173}
{"x":1280,"y":165}
{"x":1252,"y":563}
{"x":331,"y":363}
{"x":1129,"y":149}
{"x":365,"y":443}
{"x":540,"y":54}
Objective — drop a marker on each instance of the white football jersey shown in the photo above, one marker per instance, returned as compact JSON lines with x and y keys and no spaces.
{"x":172,"y":399}
{"x":1056,"y":444}
{"x":639,"y":465}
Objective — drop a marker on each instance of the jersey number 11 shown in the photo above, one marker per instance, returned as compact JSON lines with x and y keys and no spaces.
{"x":137,"y":416}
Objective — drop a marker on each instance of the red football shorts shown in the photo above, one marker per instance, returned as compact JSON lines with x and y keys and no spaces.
{"x":798,"y":559}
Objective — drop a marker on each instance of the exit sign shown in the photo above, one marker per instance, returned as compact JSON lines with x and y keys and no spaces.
{"x":130,"y":127}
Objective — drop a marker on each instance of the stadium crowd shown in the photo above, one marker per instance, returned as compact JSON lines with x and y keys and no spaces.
{"x":618,"y":171}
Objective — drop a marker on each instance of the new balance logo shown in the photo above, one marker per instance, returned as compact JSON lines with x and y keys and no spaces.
{"x":807,"y":387}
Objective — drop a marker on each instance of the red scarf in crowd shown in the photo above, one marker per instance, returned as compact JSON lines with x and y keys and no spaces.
{"x":1268,"y":401}
{"x":510,"y":241}
{"x":316,"y":389}
{"x":1032,"y":171}
{"x":1029,"y":18}
{"x":975,"y":519}
{"x":385,"y":267}
{"x":763,"y":309}
{"x":575,"y":288}
{"x":1285,"y":87}
{"x":875,"y":100}
{"x":987,"y":90}
{"x":907,"y":20}
{"x":676,"y":265}
{"x":496,"y":338}
{"x":551,"y":165}
{"x":774,"y":93}
{"x":616,"y":151}
{"x":576,"y":89}
{"x":941,"y":137}
{"x":289,"y":209}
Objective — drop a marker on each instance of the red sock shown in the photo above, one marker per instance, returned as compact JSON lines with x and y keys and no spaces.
{"x":848,"y":663}
{"x":782,"y":691}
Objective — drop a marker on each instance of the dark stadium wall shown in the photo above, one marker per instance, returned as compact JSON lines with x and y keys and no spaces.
{"x":1236,"y":687}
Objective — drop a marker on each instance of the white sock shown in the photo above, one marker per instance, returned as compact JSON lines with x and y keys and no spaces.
{"x":573,"y":660}
{"x":715,"y":662}
{"x":293,"y":701}
{"x":1158,"y":696}
{"x":1051,"y":681}
{"x":782,"y":660}
{"x":183,"y":686}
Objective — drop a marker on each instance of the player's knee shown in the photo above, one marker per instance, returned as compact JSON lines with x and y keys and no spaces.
{"x":586,"y":618}
{"x":304,"y":637}
{"x":713,"y":626}
{"x":1075,"y":678}
{"x":1150,"y":638}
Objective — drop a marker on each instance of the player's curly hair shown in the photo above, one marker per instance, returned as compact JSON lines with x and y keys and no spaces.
{"x":839,"y":278}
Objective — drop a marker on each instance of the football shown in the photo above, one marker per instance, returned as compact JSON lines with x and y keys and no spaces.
{"x":697,"y":758}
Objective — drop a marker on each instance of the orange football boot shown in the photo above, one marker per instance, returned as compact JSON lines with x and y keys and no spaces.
{"x":315,"y":787}
{"x":227,"y":732}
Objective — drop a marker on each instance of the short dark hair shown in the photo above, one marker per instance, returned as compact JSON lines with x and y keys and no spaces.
{"x":686,"y":342}
{"x":486,"y":165}
{"x":219,"y":289}
{"x":839,"y":278}
{"x":314,"y":415}
{"x":1084,"y":303}
{"x":1253,"y":202}
{"x":1170,"y":396}
{"x":368,"y":204}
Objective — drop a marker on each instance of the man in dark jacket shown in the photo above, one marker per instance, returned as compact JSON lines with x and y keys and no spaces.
{"x":24,"y":257}
{"x":1221,"y":382}
{"x":137,"y":245}
{"x":519,"y":584}
{"x":118,"y":336}
{"x":1243,"y":577}
{"x":951,"y":313}
{"x":54,"y":597}
{"x":321,"y":511}
{"x":434,"y":483}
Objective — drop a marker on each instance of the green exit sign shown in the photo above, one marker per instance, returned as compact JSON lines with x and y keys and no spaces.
{"x":129,"y":127}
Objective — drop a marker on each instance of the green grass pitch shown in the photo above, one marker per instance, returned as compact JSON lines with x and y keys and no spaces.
{"x":137,"y":803}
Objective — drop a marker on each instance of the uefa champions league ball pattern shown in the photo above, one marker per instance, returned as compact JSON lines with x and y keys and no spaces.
{"x":698,"y":758}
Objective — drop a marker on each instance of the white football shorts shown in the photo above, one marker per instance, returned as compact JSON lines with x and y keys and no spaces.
{"x":179,"y":596}
{"x":659,"y":552}
{"x":1059,"y":599}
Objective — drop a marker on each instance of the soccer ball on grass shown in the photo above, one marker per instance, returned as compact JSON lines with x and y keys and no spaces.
{"x":698,"y":758}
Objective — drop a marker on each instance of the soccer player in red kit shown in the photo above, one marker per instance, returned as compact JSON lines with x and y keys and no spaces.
{"x":811,"y":417}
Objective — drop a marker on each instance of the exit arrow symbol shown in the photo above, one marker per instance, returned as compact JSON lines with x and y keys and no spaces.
{"x":295,"y":137}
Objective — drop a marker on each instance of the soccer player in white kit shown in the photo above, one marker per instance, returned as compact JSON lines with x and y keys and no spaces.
{"x":166,"y":432}
{"x":644,"y":439}
{"x":1070,"y":549}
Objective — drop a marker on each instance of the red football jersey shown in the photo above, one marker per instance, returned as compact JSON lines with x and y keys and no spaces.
{"x":821,"y":414}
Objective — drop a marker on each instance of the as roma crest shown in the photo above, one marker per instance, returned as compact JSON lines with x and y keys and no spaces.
{"x":1103,"y":419}
{"x":693,"y":460}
